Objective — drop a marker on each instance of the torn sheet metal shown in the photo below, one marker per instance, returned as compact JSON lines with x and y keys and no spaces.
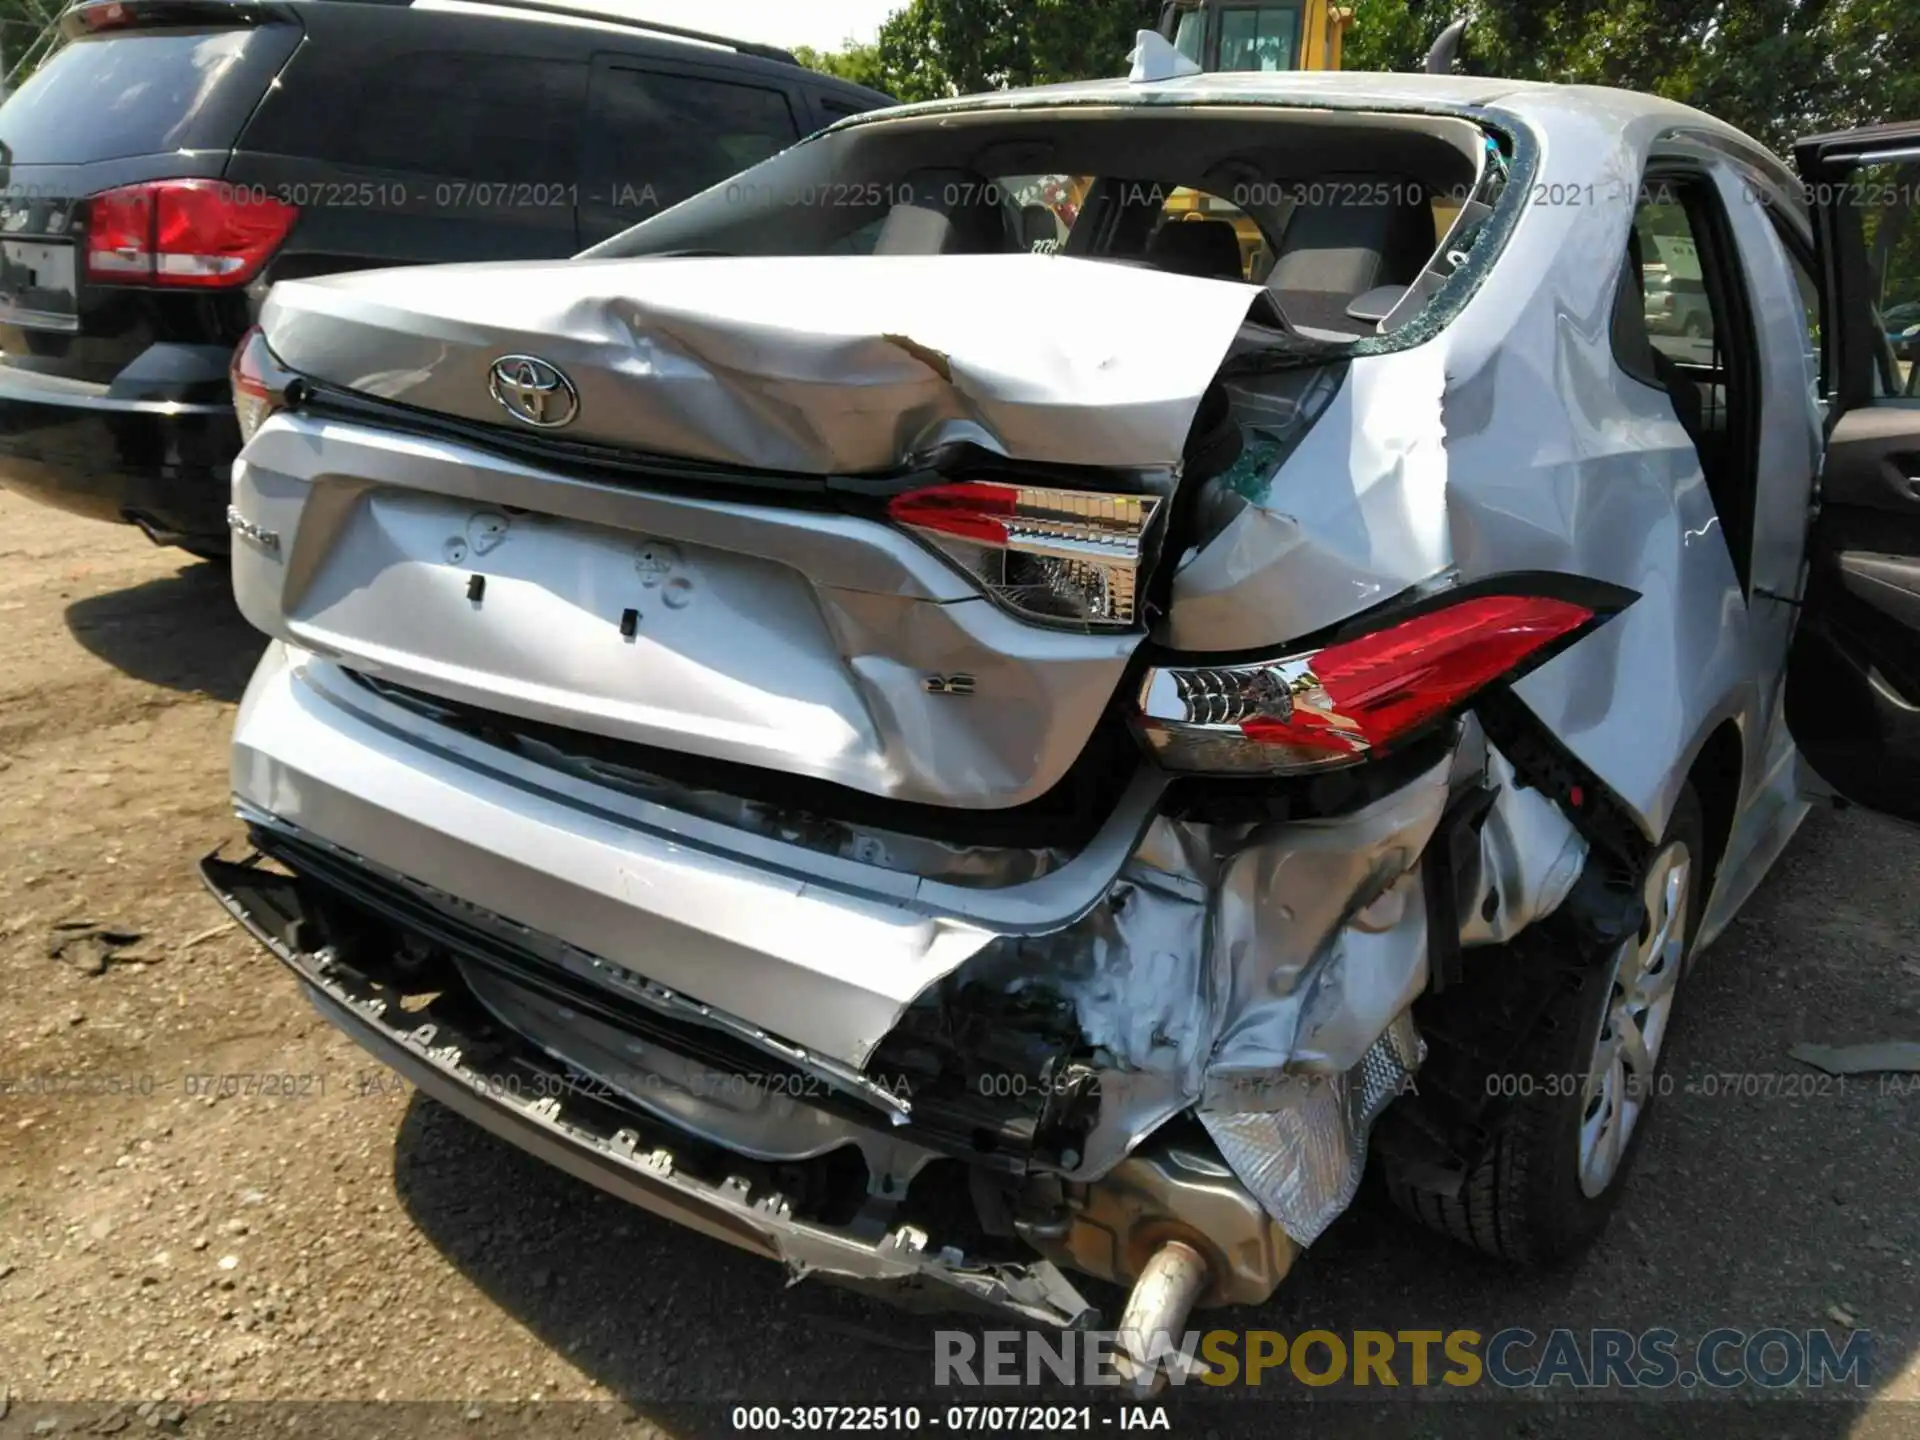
{"x":1227,"y":955}
{"x":816,"y":365}
{"x":1318,"y":936}
{"x":1133,"y":973}
{"x":434,"y":1049}
{"x":1302,"y":1154}
{"x":1354,"y":514}
{"x":1530,"y":856}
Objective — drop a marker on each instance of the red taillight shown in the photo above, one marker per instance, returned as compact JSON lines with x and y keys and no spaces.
{"x":183,"y":232}
{"x":1332,"y":706}
{"x":971,"y":509}
{"x":259,"y":383}
{"x":120,"y":235}
{"x":1063,"y":556}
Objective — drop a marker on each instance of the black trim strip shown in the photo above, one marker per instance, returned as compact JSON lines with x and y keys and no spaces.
{"x":1540,"y":759}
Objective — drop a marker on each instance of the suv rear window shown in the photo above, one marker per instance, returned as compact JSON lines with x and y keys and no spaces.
{"x":142,"y":92}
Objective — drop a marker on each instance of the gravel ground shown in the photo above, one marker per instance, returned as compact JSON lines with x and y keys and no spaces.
{"x":321,"y":1234}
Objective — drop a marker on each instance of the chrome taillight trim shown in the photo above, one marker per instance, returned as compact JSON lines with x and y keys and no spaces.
{"x":1098,"y":540}
{"x":1193,"y":716}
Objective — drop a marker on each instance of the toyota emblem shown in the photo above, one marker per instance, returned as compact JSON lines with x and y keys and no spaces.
{"x":534,"y":392}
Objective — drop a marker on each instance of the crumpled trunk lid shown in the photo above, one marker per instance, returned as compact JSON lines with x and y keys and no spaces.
{"x":819,"y":365}
{"x":812,"y":640}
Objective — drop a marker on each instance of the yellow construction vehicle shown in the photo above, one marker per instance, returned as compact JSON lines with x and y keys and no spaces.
{"x":1265,"y":35}
{"x":1257,"y":34}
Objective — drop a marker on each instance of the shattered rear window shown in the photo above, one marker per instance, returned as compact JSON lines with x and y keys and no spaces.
{"x":1349,"y":222}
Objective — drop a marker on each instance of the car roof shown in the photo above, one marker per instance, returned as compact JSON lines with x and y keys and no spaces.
{"x":1345,"y":88}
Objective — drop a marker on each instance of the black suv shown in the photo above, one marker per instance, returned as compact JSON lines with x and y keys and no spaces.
{"x":173,"y":158}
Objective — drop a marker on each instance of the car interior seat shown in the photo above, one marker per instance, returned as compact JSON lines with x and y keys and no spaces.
{"x":1333,"y":253}
{"x":1208,"y":249}
{"x":1038,"y":227}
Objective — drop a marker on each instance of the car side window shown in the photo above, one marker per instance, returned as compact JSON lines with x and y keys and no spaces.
{"x":1697,"y":338}
{"x":1678,"y":312}
{"x":655,"y":138}
{"x":1809,"y":292}
{"x":1885,"y":194}
{"x":467,"y":116}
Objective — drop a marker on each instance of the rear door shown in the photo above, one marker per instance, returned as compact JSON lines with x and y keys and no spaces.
{"x":658,"y":132}
{"x":1853,"y":679}
{"x":414,"y":134}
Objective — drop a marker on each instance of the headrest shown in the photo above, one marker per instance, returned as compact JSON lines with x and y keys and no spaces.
{"x":1209,"y":249}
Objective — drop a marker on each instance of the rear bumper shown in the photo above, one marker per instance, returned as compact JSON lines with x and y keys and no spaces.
{"x":165,"y":465}
{"x":823,"y":952}
{"x":1168,"y":967}
{"x":623,"y":1152}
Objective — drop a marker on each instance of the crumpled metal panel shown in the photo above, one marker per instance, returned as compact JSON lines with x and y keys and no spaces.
{"x":1513,"y":440}
{"x":1355,"y":515}
{"x":1303,"y":1150}
{"x":1252,"y":950}
{"x":1319,"y":935}
{"x":1530,"y":856}
{"x":816,"y":364}
{"x":1133,"y":970}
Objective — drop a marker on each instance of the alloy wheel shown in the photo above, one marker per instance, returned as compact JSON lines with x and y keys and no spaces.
{"x":1626,"y":1052}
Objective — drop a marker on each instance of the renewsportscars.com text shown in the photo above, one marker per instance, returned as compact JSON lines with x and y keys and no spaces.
{"x":1510,"y":1359}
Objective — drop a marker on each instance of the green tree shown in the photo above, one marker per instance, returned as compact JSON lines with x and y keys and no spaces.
{"x":1775,"y":68}
{"x":934,"y":48}
{"x":859,"y":63}
{"x":22,"y":24}
{"x":1390,"y":35}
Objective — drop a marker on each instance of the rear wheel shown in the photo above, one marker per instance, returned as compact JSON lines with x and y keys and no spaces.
{"x":1580,"y":1095}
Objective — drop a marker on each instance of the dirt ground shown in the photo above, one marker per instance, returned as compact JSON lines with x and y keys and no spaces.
{"x":307,"y":1229}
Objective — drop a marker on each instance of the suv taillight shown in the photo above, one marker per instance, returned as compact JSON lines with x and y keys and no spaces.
{"x":1323,"y":708}
{"x":1063,"y":556}
{"x":183,"y":232}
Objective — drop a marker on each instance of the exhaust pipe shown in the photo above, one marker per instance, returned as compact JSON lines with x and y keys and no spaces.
{"x":1170,"y":1285}
{"x":1175,"y":1223}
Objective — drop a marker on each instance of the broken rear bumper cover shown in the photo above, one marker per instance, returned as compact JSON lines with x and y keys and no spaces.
{"x":1235,"y":1001}
{"x":552,"y":1115}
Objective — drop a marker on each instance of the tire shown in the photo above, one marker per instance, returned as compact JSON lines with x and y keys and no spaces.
{"x":1543,"y":1190}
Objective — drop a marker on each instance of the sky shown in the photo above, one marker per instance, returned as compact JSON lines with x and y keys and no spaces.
{"x":823,"y":24}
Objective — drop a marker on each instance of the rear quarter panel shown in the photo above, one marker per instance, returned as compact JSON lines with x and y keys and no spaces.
{"x":1514,"y":441}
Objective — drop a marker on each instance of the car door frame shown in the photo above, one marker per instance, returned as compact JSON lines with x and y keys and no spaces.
{"x":1853,"y":676}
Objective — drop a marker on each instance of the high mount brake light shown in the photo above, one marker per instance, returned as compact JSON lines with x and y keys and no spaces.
{"x":1331,"y":707}
{"x":259,"y":383}
{"x":199,"y":233}
{"x":110,"y":16}
{"x":1071,"y":556}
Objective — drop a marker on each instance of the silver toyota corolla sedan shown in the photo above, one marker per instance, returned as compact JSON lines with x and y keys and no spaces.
{"x":1019,"y":690}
